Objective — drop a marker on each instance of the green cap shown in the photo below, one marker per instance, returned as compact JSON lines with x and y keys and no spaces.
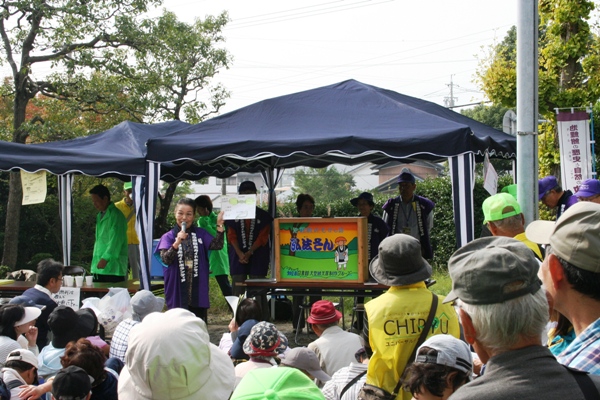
{"x":500,"y":206}
{"x":127,"y":186}
{"x":492,"y":270}
{"x":283,"y":383}
{"x":510,"y":189}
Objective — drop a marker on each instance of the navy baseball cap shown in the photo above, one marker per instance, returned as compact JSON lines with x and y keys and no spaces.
{"x":406,"y":177}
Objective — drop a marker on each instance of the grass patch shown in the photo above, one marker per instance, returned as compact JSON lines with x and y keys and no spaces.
{"x":443,"y":284}
{"x":219,"y":312}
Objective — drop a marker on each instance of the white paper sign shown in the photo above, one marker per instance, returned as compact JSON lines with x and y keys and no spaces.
{"x":233,"y":302}
{"x":490,"y":176}
{"x":68,"y":296}
{"x":34,"y":187}
{"x":242,"y":206}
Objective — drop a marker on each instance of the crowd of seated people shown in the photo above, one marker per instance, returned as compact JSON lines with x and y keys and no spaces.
{"x":512,"y":327}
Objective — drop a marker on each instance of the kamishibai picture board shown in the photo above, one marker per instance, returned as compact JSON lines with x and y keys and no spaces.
{"x":321,"y":249}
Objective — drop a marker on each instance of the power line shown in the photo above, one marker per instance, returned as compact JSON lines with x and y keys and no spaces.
{"x":286,"y":11}
{"x":352,"y":65}
{"x":306,"y":14}
{"x":471,"y":104}
{"x":346,"y":65}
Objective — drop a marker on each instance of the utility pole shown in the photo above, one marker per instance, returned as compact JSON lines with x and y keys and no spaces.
{"x":527,"y":108}
{"x":449,"y":101}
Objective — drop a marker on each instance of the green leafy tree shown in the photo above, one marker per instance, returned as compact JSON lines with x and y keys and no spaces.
{"x":569,"y":68}
{"x":40,"y":235}
{"x":173,"y":75}
{"x":492,"y":116}
{"x":174,"y":69}
{"x":497,"y":72}
{"x":326,"y":185}
{"x":113,"y":64}
{"x":489,"y":115}
{"x":72,"y":36}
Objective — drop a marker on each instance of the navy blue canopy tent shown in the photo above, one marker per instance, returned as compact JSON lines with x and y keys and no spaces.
{"x":118,"y":152}
{"x":350,"y":123}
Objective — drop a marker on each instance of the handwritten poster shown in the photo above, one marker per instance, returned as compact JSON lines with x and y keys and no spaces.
{"x":68,"y":296}
{"x":34,"y":187}
{"x":241,"y":206}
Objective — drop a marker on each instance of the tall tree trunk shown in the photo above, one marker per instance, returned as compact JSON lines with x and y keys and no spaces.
{"x":567,"y":80}
{"x":15,"y":192}
{"x":569,"y":70}
{"x":13,"y":218}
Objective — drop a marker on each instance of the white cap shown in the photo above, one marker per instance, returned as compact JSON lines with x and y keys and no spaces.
{"x":31,"y":313}
{"x":451,"y":352}
{"x":23,"y":355}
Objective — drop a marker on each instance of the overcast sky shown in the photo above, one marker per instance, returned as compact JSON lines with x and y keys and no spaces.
{"x":412,"y":47}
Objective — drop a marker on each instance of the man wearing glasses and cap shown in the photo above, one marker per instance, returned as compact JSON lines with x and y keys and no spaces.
{"x":503,"y":310}
{"x":571,"y":276}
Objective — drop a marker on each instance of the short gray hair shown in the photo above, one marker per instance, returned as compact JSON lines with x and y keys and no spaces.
{"x":500,"y":326}
{"x":509,"y":223}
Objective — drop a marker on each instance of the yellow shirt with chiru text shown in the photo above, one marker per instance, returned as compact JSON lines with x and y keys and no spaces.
{"x":395,"y":320}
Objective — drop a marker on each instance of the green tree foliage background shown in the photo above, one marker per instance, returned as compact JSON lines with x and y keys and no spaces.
{"x":110,"y":63}
{"x":569,"y":69}
{"x":493,"y":116}
{"x":325,"y":184}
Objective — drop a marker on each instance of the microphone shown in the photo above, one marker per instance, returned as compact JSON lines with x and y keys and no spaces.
{"x":183,"y":226}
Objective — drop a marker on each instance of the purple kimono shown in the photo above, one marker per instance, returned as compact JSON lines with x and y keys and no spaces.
{"x":177,"y":273}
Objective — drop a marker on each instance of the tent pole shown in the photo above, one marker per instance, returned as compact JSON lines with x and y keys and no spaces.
{"x":145,"y":190}
{"x":462,"y":168}
{"x":65,"y":193}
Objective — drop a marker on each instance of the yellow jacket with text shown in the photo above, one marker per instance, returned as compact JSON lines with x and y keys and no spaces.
{"x":394,"y":321}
